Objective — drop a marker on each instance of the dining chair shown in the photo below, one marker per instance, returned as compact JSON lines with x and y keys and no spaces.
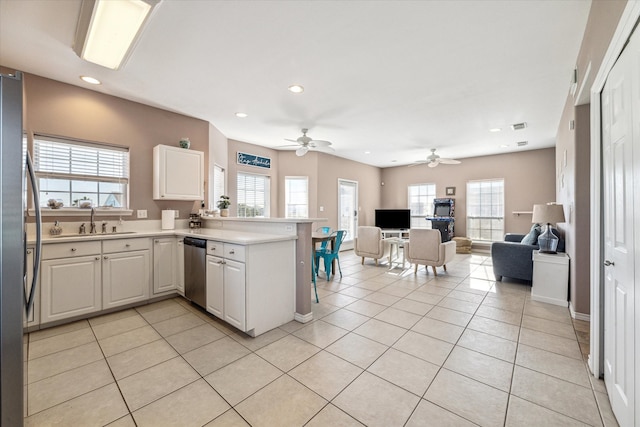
{"x":313,"y":276}
{"x":324,"y":230}
{"x":328,"y":255}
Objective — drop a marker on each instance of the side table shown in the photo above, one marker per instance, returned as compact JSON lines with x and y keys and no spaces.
{"x":550,"y":278}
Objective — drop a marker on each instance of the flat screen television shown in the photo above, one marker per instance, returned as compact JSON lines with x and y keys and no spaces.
{"x":396,"y":219}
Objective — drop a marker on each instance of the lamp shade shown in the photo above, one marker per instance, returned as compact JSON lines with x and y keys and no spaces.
{"x":548,"y":214}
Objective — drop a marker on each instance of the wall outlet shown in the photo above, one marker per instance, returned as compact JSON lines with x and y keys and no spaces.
{"x":142,"y":213}
{"x":321,"y":208}
{"x":176,"y":213}
{"x":288,"y":227}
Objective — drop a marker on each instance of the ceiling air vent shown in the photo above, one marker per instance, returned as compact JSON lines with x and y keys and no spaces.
{"x":522,"y":143}
{"x":519,"y":126}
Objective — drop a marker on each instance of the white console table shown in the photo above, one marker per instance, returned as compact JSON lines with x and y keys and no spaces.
{"x":403,"y":234}
{"x":550,"y":278}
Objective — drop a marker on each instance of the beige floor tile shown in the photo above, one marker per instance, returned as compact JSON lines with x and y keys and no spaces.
{"x":366,"y":308}
{"x":423,"y":347}
{"x":548,"y":312}
{"x":470,"y":399}
{"x":405,"y":371}
{"x":396,"y":291}
{"x":98,"y":407}
{"x":58,"y":330}
{"x":128,"y":340}
{"x":59,"y":342}
{"x":459,"y":305}
{"x":428,"y":414}
{"x":581,"y":325}
{"x":158,"y":381}
{"x":480,"y":367}
{"x":509,"y":302}
{"x":104,"y":330}
{"x":371,"y":285}
{"x":170,"y":302}
{"x":284,"y":402}
{"x":477,"y":286}
{"x":384,"y":333}
{"x":506,"y":287}
{"x":553,"y":343}
{"x":67,"y":385}
{"x":292,"y":326}
{"x":65,"y":360}
{"x":398,"y":317}
{"x":466,"y":296}
{"x":605,"y":410}
{"x":229,"y":419}
{"x":339,"y":300}
{"x":320,"y":333}
{"x":126,"y":421}
{"x":262,"y":340}
{"x":137,"y":359}
{"x":382,"y":298}
{"x":358,"y":350}
{"x":193,"y":405}
{"x":441,"y":330}
{"x":494,"y":327}
{"x":506,"y":316}
{"x":191,"y":339}
{"x":332,"y":416}
{"x":325,"y":374}
{"x":522,"y":413}
{"x":376,"y":402}
{"x":489,"y":345}
{"x":345,"y":319}
{"x":117,"y":315}
{"x":322,"y":309}
{"x":561,"y":396}
{"x":548,"y":326}
{"x":240,"y":379}
{"x":287,"y":352}
{"x":164,"y":312}
{"x":177,"y":324}
{"x":355,"y":292}
{"x":450,"y":316}
{"x":215,"y":355}
{"x":414,"y":307}
{"x":424,"y":297}
{"x":556,"y":365}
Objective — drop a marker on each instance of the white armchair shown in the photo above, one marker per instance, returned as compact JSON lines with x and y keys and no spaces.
{"x":369,"y":243}
{"x":425,"y":247}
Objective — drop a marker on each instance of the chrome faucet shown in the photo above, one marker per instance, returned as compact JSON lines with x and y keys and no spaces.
{"x":92,"y":228}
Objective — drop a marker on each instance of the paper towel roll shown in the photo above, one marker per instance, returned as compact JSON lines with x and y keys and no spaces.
{"x":168,"y":220}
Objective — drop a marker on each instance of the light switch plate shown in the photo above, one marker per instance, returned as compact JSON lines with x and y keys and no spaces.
{"x":142,"y":213}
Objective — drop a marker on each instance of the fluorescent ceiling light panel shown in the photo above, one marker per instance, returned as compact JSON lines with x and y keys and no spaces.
{"x":108,"y":29}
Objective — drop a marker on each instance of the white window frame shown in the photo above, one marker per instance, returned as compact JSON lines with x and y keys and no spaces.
{"x":242,"y":198}
{"x":218,"y":183}
{"x":426,"y":192}
{"x":54,"y":160}
{"x":294,"y":200}
{"x":485,"y":210}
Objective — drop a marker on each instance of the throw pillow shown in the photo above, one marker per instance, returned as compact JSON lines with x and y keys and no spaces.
{"x":532,"y":237}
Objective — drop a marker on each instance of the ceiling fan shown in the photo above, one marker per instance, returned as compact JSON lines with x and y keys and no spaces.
{"x":305,"y":143}
{"x":434,"y":160}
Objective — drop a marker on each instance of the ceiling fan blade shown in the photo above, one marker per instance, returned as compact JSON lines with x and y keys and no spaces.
{"x":291,"y":140}
{"x":450,"y":161}
{"x":418,"y":162}
{"x":433,"y":164}
{"x":319,"y":143}
{"x":325,"y":149}
{"x":302,"y":151}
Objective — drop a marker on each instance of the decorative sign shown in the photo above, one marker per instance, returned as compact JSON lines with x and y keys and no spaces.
{"x":253,"y":160}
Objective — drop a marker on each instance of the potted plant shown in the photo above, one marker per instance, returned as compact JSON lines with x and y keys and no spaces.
{"x":223,"y":205}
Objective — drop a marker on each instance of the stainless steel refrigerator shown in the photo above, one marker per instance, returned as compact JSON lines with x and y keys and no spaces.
{"x":16,"y":296}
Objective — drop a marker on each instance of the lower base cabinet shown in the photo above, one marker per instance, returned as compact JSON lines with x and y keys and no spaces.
{"x":125,"y":278}
{"x":164,"y":265}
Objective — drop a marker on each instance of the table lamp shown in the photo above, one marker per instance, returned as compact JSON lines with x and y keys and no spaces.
{"x":548,"y":214}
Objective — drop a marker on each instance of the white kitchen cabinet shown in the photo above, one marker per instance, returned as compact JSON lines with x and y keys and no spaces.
{"x":180,"y":266}
{"x":164,"y":265}
{"x":226,"y":283}
{"x":550,"y":282}
{"x":33,"y":320}
{"x":178,"y":173}
{"x":215,"y":286}
{"x":70,"y":280}
{"x":126,"y":272}
{"x":235,"y":301}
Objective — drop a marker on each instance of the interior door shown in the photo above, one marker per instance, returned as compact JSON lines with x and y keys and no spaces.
{"x":348,"y":210}
{"x":620,"y":105}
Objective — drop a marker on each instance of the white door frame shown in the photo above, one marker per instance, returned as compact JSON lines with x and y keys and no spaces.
{"x":627,"y":22}
{"x":349,"y":244}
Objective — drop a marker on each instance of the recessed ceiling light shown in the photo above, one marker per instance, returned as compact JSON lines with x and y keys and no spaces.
{"x":90,"y":80}
{"x":296,"y":89}
{"x":495,"y":129}
{"x":241,"y":115}
{"x":504,"y":146}
{"x":393,"y":161}
{"x":367,"y":152}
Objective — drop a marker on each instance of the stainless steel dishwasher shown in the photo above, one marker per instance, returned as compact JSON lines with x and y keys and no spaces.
{"x":195,"y":266}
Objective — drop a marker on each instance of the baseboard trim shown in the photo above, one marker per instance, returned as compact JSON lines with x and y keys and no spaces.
{"x":303,"y":318}
{"x":578,"y":316}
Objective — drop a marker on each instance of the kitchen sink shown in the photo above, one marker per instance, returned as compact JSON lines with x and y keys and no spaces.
{"x":117,"y":233}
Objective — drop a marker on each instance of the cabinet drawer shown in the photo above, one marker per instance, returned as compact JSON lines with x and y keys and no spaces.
{"x":71,"y":249}
{"x":124,"y":245}
{"x":215,"y":248}
{"x":234,"y":252}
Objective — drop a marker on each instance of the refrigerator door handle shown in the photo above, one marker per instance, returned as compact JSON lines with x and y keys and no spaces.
{"x":36,"y":257}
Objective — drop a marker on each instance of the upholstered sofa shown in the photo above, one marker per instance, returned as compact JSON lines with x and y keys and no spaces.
{"x":514,"y":259}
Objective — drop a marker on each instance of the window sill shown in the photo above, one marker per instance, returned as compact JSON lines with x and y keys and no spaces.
{"x":81,"y":212}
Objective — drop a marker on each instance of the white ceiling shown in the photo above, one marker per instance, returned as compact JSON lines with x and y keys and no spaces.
{"x":395,"y":78}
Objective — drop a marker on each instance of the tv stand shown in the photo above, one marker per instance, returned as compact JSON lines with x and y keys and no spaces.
{"x":401,"y":233}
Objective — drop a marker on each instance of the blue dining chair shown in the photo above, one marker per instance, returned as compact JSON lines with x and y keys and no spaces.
{"x":328,"y":254}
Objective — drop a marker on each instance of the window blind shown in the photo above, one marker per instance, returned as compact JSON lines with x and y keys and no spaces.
{"x":253,"y":195}
{"x":296,"y":197}
{"x":218,"y":183}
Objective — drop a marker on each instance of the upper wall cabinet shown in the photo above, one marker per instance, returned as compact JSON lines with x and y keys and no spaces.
{"x":178,"y":173}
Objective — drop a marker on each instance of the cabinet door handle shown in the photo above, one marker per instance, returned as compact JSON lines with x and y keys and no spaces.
{"x":127,"y":245}
{"x":232,"y":251}
{"x":607,"y":263}
{"x":73,"y":249}
{"x":106,"y":257}
{"x":29,"y":252}
{"x":97,"y":258}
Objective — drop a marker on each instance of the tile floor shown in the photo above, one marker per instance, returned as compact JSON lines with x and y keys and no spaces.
{"x":386,"y":348}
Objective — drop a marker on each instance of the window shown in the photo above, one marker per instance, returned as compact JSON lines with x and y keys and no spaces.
{"x":218,"y":184}
{"x":253,"y":195}
{"x":421,"y":204}
{"x":78,"y":172}
{"x":485,"y":210}
{"x":296,"y":195}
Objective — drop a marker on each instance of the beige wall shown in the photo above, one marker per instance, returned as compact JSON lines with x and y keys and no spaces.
{"x":529,"y":178}
{"x":59,"y":109}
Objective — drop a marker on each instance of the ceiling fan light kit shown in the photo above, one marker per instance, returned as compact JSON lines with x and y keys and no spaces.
{"x":434,"y":160}
{"x":305,"y":143}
